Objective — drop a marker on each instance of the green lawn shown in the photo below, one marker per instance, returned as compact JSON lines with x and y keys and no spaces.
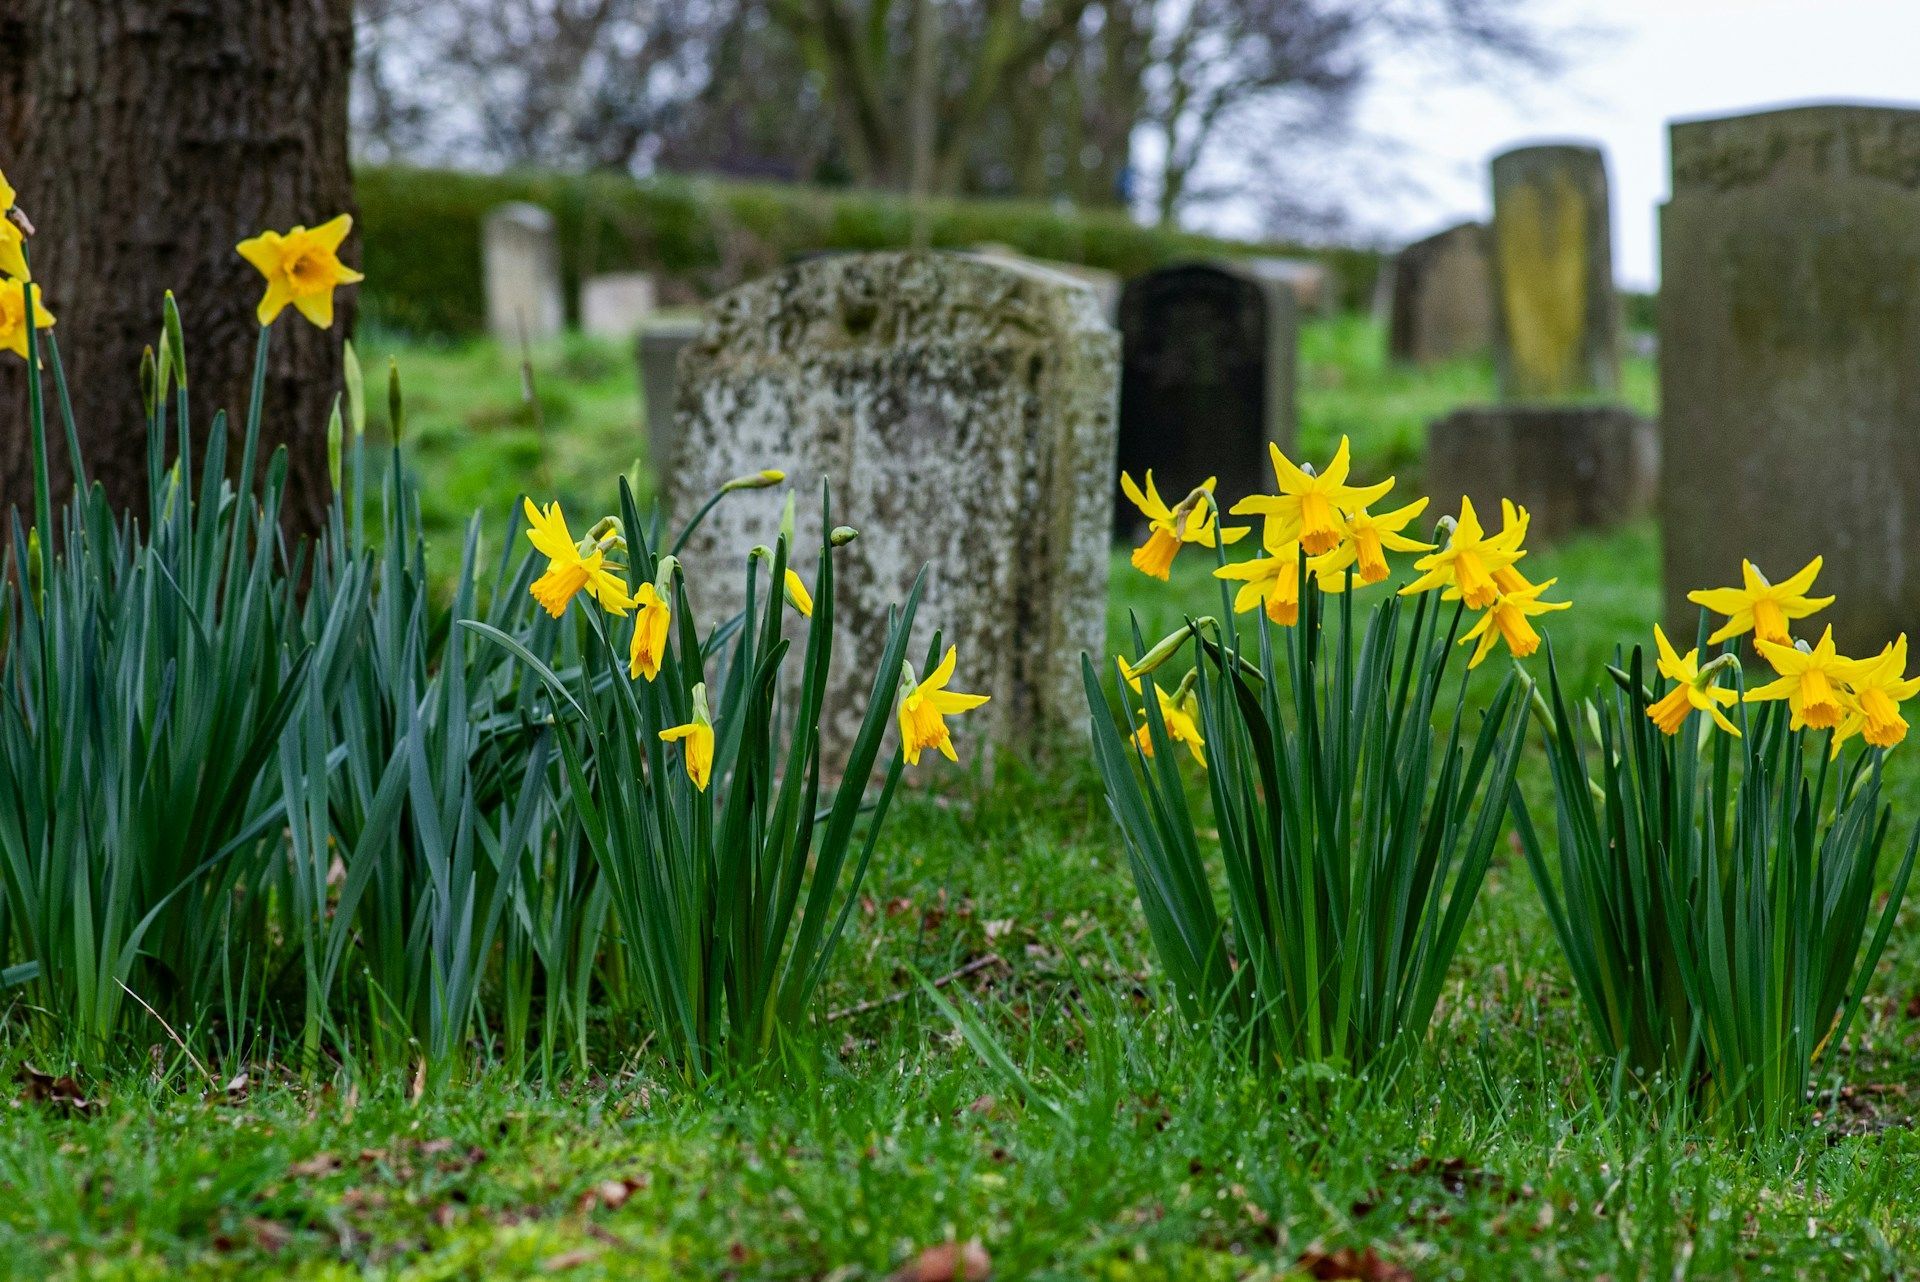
{"x":1113,"y":1145}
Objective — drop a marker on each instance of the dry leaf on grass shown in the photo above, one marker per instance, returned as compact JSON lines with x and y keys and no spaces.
{"x":947,"y":1262}
{"x":1349,"y":1265}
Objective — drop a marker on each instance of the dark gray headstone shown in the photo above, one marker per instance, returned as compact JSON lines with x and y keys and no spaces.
{"x":1556,"y":318}
{"x":1207,"y":379}
{"x":1440,"y":297}
{"x":1572,"y":467}
{"x":1790,"y":359}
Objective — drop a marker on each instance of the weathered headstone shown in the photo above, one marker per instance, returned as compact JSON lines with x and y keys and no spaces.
{"x":522,"y":268}
{"x":1571,"y":466}
{"x":1790,"y":359}
{"x":1557,"y":321}
{"x":963,"y":411}
{"x":1105,"y":284}
{"x":616,"y":304}
{"x":661,"y":341}
{"x":1440,"y":297}
{"x":1207,"y":379}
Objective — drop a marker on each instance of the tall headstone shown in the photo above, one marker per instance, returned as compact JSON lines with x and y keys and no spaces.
{"x":616,"y":304}
{"x":1790,"y":359}
{"x":1440,"y":297}
{"x":522,"y":267}
{"x":1557,"y":321}
{"x":1105,"y":284}
{"x":661,"y":341}
{"x":963,"y":411}
{"x":1207,"y":379}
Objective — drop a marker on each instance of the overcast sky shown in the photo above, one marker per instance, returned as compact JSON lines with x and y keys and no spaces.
{"x":1645,"y":63}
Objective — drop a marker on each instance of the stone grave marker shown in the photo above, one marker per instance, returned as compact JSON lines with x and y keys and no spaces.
{"x":963,"y":410}
{"x":522,"y":267}
{"x":1790,"y":360}
{"x":1207,"y":380}
{"x":1571,"y":466}
{"x":661,"y":341}
{"x":1557,"y":320}
{"x":617,"y":304}
{"x":1439,"y":302}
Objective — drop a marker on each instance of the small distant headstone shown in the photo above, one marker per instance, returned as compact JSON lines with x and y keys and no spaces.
{"x":1790,"y":359}
{"x":1207,"y":379}
{"x":1572,"y":467}
{"x":1315,"y":285}
{"x":1557,"y":321}
{"x":1439,"y":303}
{"x":963,"y":410}
{"x":661,"y":341}
{"x":522,"y":264}
{"x":615,"y":305}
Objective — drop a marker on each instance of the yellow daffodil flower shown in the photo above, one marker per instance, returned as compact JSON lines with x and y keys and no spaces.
{"x":797,"y":595}
{"x":1368,"y":540}
{"x":925,"y":707}
{"x":302,"y":267}
{"x":1181,"y":718}
{"x":1193,"y":521}
{"x":1880,"y":685}
{"x":1466,"y":565}
{"x":1812,"y":681}
{"x":13,"y":241}
{"x":1693,"y":689}
{"x":697,"y":752}
{"x":1513,"y":533}
{"x":649,"y":632}
{"x":1760,"y":607}
{"x":1506,"y":620}
{"x":1272,"y":580}
{"x":1311,"y":508}
{"x":13,"y":315}
{"x":571,"y":567}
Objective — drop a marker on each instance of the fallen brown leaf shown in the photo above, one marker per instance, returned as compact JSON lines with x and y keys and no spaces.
{"x":569,"y":1259}
{"x":1349,"y":1265}
{"x":62,"y":1093}
{"x":947,"y":1262}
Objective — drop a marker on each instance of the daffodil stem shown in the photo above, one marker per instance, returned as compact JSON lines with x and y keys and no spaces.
{"x":37,"y":416}
{"x":254,"y":403}
{"x":66,"y":415}
{"x":687,"y":532}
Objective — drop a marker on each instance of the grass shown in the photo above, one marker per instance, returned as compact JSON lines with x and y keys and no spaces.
{"x":1107,"y":1144}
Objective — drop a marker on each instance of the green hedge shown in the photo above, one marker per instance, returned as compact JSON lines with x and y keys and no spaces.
{"x":420,"y":233}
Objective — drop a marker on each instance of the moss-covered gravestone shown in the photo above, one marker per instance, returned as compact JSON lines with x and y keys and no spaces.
{"x":1557,"y":322}
{"x":1790,"y":359}
{"x":963,"y":411}
{"x":1440,"y":297}
{"x":1207,"y":379}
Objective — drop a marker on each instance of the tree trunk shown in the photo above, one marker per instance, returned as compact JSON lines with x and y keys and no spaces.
{"x":147,"y":138}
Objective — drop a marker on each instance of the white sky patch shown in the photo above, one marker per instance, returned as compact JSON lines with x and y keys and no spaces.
{"x":1641,"y":65}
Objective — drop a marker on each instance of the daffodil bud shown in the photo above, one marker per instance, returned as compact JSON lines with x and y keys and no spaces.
{"x":787,"y":519}
{"x":764,"y":478}
{"x":176,"y":343}
{"x":334,"y":430}
{"x":356,"y":392}
{"x":1165,"y":648}
{"x":173,"y":491}
{"x":149,"y":381}
{"x":36,"y":567}
{"x":163,"y":369}
{"x":842,"y":535}
{"x":396,"y":408}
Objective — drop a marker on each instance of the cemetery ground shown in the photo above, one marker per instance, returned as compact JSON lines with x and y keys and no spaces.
{"x":1056,"y":1111}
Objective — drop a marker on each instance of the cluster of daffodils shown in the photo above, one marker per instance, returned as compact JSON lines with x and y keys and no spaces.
{"x":1321,"y":532}
{"x":1824,"y":689}
{"x":587,"y":567}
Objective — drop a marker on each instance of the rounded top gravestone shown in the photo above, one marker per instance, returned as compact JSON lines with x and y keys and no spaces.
{"x":962,"y":411}
{"x":1207,"y":379}
{"x":1557,"y":323}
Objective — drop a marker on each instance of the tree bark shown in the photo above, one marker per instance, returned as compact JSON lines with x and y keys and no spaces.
{"x":147,"y":138}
